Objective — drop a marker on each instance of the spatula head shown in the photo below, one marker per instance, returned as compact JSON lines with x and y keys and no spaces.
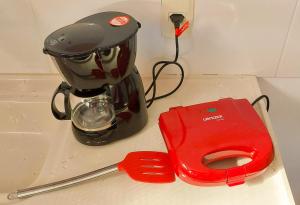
{"x":147,"y":166}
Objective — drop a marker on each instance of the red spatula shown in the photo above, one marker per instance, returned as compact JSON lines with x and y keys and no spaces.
{"x":144,"y":166}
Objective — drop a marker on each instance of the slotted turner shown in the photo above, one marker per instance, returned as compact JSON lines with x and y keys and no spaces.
{"x":143,"y":166}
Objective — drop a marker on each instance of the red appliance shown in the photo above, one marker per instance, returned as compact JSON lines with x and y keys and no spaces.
{"x":200,"y":134}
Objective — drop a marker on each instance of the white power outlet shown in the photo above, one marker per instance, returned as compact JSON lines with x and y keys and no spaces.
{"x":169,"y":7}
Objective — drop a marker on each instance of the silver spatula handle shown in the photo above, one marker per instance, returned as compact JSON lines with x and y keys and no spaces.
{"x":28,"y":192}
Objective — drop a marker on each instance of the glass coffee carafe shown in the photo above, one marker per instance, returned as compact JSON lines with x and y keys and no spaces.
{"x":88,"y":114}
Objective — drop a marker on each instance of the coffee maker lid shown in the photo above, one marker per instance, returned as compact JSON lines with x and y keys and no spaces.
{"x":100,"y":31}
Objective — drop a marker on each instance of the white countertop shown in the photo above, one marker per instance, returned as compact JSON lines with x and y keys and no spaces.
{"x":27,"y":98}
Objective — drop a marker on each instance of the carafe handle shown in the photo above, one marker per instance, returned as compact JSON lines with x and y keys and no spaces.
{"x":63,"y":88}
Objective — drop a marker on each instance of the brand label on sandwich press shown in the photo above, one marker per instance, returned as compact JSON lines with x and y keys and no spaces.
{"x":216,"y":117}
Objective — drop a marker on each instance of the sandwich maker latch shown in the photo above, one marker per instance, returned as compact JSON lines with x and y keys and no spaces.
{"x":236,"y":176}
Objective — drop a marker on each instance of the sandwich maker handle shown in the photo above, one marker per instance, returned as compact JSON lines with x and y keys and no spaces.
{"x":237,"y":175}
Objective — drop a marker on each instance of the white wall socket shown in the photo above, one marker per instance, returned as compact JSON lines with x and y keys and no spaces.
{"x":185,"y":7}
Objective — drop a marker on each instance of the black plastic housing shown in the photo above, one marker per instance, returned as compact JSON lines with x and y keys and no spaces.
{"x":92,"y":53}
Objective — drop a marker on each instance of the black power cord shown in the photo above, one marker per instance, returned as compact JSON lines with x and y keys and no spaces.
{"x":260,"y":98}
{"x":176,"y":19}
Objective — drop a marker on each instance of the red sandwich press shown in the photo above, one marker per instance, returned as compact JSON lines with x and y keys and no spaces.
{"x":200,"y":134}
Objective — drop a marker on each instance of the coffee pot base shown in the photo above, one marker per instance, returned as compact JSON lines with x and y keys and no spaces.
{"x":117,"y":132}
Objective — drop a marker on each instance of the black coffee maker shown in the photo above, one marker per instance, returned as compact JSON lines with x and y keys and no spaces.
{"x":103,"y":92}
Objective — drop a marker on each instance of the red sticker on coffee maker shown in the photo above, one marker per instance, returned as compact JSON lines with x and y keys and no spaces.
{"x":119,"y":21}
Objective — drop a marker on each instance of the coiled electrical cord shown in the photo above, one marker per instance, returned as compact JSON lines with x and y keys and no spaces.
{"x":177,"y":19}
{"x":155,"y":74}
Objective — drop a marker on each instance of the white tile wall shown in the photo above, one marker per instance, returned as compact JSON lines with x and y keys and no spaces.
{"x":290,"y":62}
{"x":240,"y":36}
{"x":20,"y":49}
{"x":228,"y":37}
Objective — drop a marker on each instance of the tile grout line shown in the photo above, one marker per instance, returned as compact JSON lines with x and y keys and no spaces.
{"x":286,"y":39}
